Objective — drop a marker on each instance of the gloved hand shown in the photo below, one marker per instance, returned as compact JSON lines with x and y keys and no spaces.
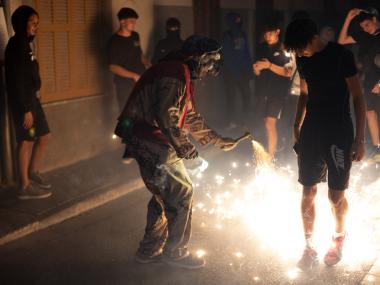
{"x":192,"y":154}
{"x":187,"y":151}
{"x":227,"y":144}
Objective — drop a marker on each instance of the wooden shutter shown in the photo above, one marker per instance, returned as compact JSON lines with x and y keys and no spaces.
{"x":68,"y":48}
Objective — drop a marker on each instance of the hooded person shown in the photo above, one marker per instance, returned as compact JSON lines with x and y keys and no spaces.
{"x":237,"y":64}
{"x":155,"y":125}
{"x":172,"y":42}
{"x":22,"y":84}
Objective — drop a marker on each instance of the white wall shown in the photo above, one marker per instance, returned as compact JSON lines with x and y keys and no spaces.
{"x":144,"y":9}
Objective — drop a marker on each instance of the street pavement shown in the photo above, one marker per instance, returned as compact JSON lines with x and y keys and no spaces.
{"x":98,"y":248}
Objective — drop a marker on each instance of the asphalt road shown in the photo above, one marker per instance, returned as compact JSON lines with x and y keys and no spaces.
{"x":98,"y":247}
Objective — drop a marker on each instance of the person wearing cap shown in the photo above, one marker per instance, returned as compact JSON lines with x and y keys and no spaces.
{"x":172,"y":41}
{"x":22,"y":84}
{"x":368,"y":40}
{"x":155,"y":125}
{"x":126,"y":60}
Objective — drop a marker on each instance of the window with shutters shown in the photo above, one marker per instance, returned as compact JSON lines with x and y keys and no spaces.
{"x":68,"y":48}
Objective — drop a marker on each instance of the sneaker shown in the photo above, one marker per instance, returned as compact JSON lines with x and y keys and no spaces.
{"x":146,"y":259}
{"x":188,"y":261}
{"x":31,"y":192}
{"x":309,"y":259}
{"x":375,"y":154}
{"x":334,"y":254}
{"x":36,"y":178}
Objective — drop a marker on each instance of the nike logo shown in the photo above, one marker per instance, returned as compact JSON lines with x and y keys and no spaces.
{"x":337,"y":155}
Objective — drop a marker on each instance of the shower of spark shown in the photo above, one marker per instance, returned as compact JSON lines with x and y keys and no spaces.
{"x":268,"y":205}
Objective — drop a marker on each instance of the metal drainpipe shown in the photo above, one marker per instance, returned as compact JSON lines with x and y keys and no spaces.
{"x":7,"y":160}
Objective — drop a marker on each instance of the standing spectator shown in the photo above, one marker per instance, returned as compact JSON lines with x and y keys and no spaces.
{"x":237,"y":59}
{"x":125,"y":58}
{"x":172,"y":42}
{"x":323,"y":130}
{"x":368,"y":40}
{"x":327,"y":34}
{"x":273,"y":82}
{"x":23,"y":82}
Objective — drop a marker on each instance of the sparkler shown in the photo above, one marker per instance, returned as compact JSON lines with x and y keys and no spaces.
{"x":267,"y":204}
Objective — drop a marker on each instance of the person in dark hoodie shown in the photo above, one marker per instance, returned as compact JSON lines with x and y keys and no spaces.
{"x":22,"y":84}
{"x":237,"y":64}
{"x":155,"y":125}
{"x":172,"y":41}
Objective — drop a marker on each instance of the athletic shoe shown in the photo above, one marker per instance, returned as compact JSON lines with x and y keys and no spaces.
{"x":30,"y":193}
{"x":334,"y":254}
{"x":148,"y":259}
{"x":187,"y":261}
{"x":36,"y":178}
{"x":308,"y":260}
{"x":375,"y":154}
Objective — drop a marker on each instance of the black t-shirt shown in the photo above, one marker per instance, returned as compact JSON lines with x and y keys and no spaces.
{"x":269,"y":83}
{"x":126,"y":52}
{"x":165,"y":46}
{"x":369,"y":46}
{"x":325,"y":73}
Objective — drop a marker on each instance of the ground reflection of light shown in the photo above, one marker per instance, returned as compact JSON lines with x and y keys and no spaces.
{"x":200,"y":253}
{"x":293,"y":274}
{"x":238,"y":254}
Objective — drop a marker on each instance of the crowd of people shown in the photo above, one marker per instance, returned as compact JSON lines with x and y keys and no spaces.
{"x":307,"y":78}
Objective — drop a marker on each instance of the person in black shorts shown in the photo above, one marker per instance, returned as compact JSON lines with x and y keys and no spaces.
{"x":125,"y":57}
{"x":323,"y":129}
{"x":22,"y":84}
{"x":272,"y":83}
{"x":362,"y":27}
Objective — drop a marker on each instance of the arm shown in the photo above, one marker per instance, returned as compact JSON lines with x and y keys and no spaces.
{"x":204,"y":135}
{"x":301,"y":109}
{"x":344,"y":38}
{"x":16,"y":65}
{"x":279,"y":70}
{"x":122,"y":72}
{"x":145,"y":61}
{"x":360,"y":113}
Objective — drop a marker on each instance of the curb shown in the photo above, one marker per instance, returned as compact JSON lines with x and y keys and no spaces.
{"x":74,"y":210}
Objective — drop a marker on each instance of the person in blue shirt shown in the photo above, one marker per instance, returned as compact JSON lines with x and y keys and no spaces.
{"x":237,"y":64}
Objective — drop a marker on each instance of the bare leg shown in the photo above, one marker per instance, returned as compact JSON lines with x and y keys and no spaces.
{"x":270,"y":126}
{"x":373,"y":127}
{"x":38,"y":149}
{"x":24,"y":149}
{"x":339,"y":208}
{"x":308,"y":209}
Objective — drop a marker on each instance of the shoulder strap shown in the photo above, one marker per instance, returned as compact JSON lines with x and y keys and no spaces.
{"x":189,"y":97}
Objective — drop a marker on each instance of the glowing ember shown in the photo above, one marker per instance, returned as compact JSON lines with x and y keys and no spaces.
{"x":267,"y":205}
{"x":200,"y":253}
{"x":292,"y":274}
{"x":238,"y":254}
